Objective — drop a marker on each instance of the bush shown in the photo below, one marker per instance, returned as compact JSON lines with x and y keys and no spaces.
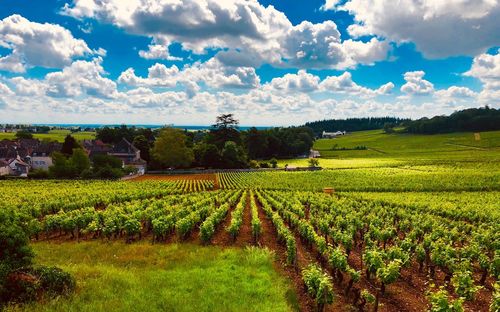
{"x":109,"y":173}
{"x":264,"y":165}
{"x":38,"y":174}
{"x":274,"y":163}
{"x":253,"y":164}
{"x":54,"y":281}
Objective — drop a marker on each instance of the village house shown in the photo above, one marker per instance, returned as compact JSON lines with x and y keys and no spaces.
{"x":41,"y":157}
{"x":129,"y":155}
{"x":331,"y":135}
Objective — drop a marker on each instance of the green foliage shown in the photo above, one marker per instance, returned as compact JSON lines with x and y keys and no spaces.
{"x":23,"y":134}
{"x":170,"y":149}
{"x":463,"y":282}
{"x":233,"y":156}
{"x":495,"y":300}
{"x":319,"y":285}
{"x":69,"y":145}
{"x":313,"y":162}
{"x":101,"y":161}
{"x":440,"y":301}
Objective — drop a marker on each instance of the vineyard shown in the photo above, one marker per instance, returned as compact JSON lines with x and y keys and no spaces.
{"x":437,"y":251}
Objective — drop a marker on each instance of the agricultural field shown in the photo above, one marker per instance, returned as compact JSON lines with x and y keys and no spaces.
{"x":402,"y":238}
{"x":54,"y":135}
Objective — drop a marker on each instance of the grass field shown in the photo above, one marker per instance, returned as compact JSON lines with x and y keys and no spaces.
{"x":54,"y":135}
{"x":176,"y":277}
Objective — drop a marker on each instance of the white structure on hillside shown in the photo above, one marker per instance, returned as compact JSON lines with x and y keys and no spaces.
{"x":329,"y":135}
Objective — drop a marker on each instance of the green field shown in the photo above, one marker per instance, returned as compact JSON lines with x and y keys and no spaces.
{"x":54,"y":135}
{"x":177,"y":277}
{"x":425,"y":209}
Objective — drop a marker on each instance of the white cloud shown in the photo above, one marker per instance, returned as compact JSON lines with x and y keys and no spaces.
{"x":486,"y":68}
{"x":249,"y":33}
{"x":80,"y":78}
{"x":212,"y":73}
{"x":35,"y":44}
{"x":345,"y":85}
{"x":439,"y":28}
{"x":28,"y":87}
{"x":329,"y":5}
{"x":301,"y":82}
{"x":416,"y":84}
{"x":158,"y":52}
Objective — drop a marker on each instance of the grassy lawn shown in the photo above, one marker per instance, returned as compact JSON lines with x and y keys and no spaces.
{"x":54,"y":135}
{"x":176,"y":277}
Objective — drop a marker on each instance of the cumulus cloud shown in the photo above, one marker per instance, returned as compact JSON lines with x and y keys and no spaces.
{"x":80,"y":78}
{"x":439,"y":28}
{"x":35,"y":44}
{"x":486,"y":68}
{"x":212,"y":73}
{"x":344,"y":84}
{"x":416,"y":84}
{"x":158,"y":52}
{"x":249,"y":33}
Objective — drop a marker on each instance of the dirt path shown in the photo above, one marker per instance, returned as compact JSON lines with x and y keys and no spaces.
{"x":221,"y":236}
{"x":269,"y":239}
{"x":244,"y":237}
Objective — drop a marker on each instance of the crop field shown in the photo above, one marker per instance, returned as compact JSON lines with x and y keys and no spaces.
{"x":402,"y":238}
{"x":54,"y":135}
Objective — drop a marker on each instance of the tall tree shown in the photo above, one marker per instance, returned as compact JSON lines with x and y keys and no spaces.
{"x":79,"y":160}
{"x":141,"y":142}
{"x":170,"y":149}
{"x":225,"y":129}
{"x":69,"y":145}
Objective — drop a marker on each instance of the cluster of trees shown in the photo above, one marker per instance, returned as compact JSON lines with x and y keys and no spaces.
{"x":225,"y":146}
{"x":353,"y":124}
{"x":473,"y":119}
{"x":73,"y":162}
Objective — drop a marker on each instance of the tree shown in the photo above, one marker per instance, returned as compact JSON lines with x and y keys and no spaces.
{"x":141,"y":142}
{"x":79,"y":160}
{"x":100,"y":161}
{"x":170,"y":149}
{"x":233,"y":156}
{"x":225,"y":129}
{"x":69,"y":145}
{"x":23,"y":134}
{"x":313,"y":162}
{"x":206,"y":155}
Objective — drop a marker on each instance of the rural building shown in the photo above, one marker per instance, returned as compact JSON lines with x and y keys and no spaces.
{"x":129,"y":155}
{"x":96,"y":147}
{"x":4,"y":168}
{"x":331,"y":135}
{"x":314,"y":154}
{"x":41,"y":158}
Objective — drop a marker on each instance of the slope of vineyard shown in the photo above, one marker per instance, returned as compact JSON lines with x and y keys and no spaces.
{"x":369,"y":240}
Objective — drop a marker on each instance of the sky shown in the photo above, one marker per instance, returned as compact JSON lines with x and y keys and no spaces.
{"x":270,"y":62}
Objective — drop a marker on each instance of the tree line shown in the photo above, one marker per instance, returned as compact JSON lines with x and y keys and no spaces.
{"x":225,"y":146}
{"x":353,"y":124}
{"x":472,"y":119}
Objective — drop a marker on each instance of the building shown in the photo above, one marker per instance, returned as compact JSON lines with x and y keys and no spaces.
{"x":96,"y":147}
{"x":331,"y":135}
{"x":129,"y":155}
{"x":41,"y":157}
{"x":4,"y":168}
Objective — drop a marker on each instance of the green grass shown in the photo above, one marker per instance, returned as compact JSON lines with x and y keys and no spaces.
{"x":54,"y":135}
{"x":401,"y":145}
{"x":176,"y":277}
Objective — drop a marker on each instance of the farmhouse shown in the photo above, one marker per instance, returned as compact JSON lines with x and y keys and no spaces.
{"x":129,"y":154}
{"x":331,"y":135}
{"x":41,"y":156}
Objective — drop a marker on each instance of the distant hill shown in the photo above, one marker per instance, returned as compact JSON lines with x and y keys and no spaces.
{"x":472,"y":119}
{"x":353,"y":124}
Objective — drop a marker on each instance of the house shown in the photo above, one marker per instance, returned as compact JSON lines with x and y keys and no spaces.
{"x":331,"y":135}
{"x":4,"y":168}
{"x":129,"y":155}
{"x":18,"y":167}
{"x":314,"y":154}
{"x":96,"y":147}
{"x":41,"y":157}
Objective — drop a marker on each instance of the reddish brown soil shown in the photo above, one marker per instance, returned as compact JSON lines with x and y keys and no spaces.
{"x":172,"y":177}
{"x":407,"y":294}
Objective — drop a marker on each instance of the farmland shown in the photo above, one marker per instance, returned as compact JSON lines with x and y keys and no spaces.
{"x":54,"y":135}
{"x":401,"y":232}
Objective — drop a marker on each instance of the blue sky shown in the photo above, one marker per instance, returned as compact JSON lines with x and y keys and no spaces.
{"x":269,"y":62}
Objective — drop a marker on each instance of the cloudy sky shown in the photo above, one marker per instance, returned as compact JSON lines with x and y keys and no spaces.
{"x":271,"y":62}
